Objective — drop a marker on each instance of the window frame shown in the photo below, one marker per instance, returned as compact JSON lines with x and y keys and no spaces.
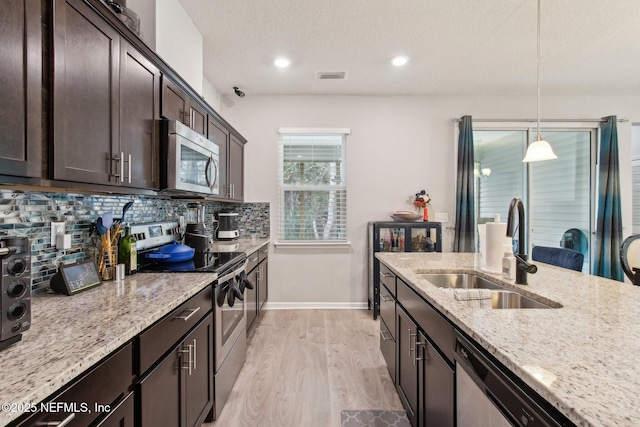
{"x":282,"y":188}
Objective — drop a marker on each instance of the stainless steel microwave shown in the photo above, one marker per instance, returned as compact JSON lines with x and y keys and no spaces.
{"x":192,"y":161}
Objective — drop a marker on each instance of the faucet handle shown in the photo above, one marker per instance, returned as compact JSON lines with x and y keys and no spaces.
{"x":524,"y":265}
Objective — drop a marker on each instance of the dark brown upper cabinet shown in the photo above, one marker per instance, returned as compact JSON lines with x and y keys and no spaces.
{"x":236,"y":169}
{"x":105,"y":103}
{"x":21,"y":87}
{"x":139,"y":115}
{"x":178,"y":105}
{"x":220,"y":136}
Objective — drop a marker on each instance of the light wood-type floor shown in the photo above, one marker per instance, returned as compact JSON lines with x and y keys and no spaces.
{"x":305,"y":366}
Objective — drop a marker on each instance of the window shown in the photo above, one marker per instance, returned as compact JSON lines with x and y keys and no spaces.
{"x":313,"y":189}
{"x":559,"y":194}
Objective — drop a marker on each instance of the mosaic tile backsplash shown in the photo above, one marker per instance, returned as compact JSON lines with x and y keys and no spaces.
{"x":27,"y":213}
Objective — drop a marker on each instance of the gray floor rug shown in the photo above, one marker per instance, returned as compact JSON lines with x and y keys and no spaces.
{"x":371,"y":418}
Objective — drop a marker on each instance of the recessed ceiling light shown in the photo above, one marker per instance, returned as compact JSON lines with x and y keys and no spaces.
{"x":399,"y":61}
{"x":282,"y":62}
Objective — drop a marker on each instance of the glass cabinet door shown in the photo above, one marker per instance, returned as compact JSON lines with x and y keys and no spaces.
{"x":423,"y":239}
{"x":392,"y":239}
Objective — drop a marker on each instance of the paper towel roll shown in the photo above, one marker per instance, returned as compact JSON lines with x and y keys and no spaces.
{"x":482,"y":234}
{"x":496,"y":237}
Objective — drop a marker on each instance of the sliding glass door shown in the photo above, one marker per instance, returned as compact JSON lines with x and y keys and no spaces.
{"x":558,"y":194}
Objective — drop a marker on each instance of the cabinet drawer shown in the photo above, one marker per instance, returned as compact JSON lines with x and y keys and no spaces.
{"x":388,"y":349}
{"x":263,"y":253}
{"x":254,"y":259}
{"x":101,"y":385}
{"x":165,"y":333}
{"x":388,"y":278}
{"x":388,"y":310}
{"x":429,"y":319}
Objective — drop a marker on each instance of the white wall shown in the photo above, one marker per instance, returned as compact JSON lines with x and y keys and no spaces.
{"x":210,"y":95}
{"x":179,"y":42}
{"x":398,"y":145}
{"x":146,"y":11}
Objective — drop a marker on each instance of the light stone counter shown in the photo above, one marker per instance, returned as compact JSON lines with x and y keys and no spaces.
{"x":245,"y":245}
{"x":69,"y":334}
{"x":586,"y":352}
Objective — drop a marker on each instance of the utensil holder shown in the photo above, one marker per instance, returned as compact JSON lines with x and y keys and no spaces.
{"x":106,"y":260}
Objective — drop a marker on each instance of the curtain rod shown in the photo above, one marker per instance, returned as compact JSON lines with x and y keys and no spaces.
{"x":535,"y":120}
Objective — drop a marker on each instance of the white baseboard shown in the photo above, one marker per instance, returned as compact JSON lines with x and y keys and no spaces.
{"x":315,"y":305}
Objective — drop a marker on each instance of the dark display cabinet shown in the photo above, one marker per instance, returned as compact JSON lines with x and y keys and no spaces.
{"x":395,"y":236}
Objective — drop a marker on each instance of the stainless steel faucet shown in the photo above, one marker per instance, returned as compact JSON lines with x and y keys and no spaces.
{"x":522,"y":266}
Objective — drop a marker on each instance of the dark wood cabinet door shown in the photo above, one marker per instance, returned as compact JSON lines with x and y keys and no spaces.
{"x":122,"y":415}
{"x":160,"y":393}
{"x":198,"y":396}
{"x":263,"y":289}
{"x":21,"y":87}
{"x":220,"y":136}
{"x":198,"y":118}
{"x":251,"y":298}
{"x":85,"y":103}
{"x":175,"y":102}
{"x":439,"y":397}
{"x":139,"y":113}
{"x":236,"y":169}
{"x":407,"y":369}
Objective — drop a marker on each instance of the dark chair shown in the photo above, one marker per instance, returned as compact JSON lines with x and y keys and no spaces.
{"x":630,"y":258}
{"x":559,"y":257}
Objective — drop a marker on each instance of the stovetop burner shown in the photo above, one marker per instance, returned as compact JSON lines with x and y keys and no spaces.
{"x":202,"y":262}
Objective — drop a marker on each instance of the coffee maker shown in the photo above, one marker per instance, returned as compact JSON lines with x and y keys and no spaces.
{"x":227,"y":229}
{"x":196,"y":233}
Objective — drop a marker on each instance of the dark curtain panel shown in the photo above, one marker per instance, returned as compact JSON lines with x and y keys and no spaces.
{"x":609,"y":222}
{"x":465,"y":234}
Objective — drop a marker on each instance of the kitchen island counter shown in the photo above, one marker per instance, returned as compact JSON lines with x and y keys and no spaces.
{"x":581,"y":357}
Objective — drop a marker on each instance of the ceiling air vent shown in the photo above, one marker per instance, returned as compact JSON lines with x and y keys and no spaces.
{"x":334,"y":75}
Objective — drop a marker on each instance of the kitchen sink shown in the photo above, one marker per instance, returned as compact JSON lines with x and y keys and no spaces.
{"x":460,"y":281}
{"x":500,"y":297}
{"x":508,"y":299}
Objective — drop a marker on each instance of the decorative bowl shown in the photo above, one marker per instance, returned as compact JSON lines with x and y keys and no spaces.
{"x":406,"y":216}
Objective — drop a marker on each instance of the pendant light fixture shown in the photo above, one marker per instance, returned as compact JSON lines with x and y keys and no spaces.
{"x":539,"y":149}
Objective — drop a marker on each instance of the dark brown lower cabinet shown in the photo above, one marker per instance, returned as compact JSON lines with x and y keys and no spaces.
{"x":179,"y":390}
{"x":93,"y":398}
{"x":251,"y":299}
{"x":122,"y":415}
{"x":407,"y":368}
{"x":435,"y":386}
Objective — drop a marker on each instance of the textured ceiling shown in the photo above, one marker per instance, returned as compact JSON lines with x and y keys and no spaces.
{"x":461,"y":47}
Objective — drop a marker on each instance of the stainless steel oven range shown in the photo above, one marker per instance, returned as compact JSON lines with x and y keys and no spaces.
{"x":229,"y":316}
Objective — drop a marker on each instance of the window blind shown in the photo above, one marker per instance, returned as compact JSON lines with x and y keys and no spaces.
{"x":312,"y":186}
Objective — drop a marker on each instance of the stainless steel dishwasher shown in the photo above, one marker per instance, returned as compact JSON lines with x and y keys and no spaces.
{"x":486,"y":396}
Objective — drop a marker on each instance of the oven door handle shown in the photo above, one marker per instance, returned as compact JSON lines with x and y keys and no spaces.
{"x":234,"y":273}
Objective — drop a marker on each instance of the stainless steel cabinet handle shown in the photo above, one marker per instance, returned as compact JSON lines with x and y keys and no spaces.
{"x":195,"y":355}
{"x":383,"y":337}
{"x":424,"y":352}
{"x":191,"y":311}
{"x":62,"y":423}
{"x":122,"y":166}
{"x":385,"y":275}
{"x":386,"y":298}
{"x":412,"y":347}
{"x":253,"y":259}
{"x":189,"y":352}
{"x":129,"y":169}
{"x":186,"y":118}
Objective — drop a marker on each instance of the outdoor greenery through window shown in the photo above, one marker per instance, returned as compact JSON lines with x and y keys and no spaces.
{"x":313,"y":190}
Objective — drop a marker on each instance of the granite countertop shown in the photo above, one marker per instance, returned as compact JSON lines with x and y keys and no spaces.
{"x":245,"y":245}
{"x":581,"y":357}
{"x":70,"y":334}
